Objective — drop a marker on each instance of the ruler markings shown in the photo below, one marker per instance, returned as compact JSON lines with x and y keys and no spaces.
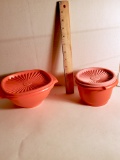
{"x":66,"y":45}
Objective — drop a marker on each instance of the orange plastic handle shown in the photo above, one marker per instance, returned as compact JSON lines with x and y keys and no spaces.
{"x":53,"y":78}
{"x":2,"y":94}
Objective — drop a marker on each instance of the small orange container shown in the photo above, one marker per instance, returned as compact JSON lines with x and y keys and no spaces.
{"x":95,"y":85}
{"x":27,"y":88}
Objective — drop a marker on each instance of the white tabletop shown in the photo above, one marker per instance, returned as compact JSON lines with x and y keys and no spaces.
{"x":61,"y":128}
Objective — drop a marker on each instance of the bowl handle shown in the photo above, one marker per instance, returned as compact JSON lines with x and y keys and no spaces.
{"x":111,"y":85}
{"x":2,"y":94}
{"x":53,"y":78}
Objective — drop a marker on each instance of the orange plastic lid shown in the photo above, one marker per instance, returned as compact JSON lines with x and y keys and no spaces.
{"x":26,"y":82}
{"x":95,"y":77}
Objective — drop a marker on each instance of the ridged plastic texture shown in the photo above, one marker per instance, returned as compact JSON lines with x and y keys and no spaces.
{"x":95,"y":77}
{"x":25,"y":82}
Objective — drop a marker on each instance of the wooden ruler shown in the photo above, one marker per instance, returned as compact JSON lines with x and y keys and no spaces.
{"x":66,"y":46}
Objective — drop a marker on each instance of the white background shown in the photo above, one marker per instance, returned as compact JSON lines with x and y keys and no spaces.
{"x":30,"y":35}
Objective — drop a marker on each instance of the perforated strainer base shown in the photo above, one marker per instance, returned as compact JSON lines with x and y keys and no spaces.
{"x":95,"y":76}
{"x":24,"y":82}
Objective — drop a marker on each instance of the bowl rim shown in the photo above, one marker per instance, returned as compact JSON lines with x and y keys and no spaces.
{"x":89,"y":87}
{"x":40,"y":89}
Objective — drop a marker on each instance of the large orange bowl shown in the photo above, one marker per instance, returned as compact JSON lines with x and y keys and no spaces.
{"x":27,"y":88}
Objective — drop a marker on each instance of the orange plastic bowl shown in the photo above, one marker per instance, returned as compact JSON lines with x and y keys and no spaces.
{"x":95,"y":85}
{"x":28,"y":88}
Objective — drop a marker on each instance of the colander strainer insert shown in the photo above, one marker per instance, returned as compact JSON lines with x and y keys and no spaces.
{"x":25,"y":81}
